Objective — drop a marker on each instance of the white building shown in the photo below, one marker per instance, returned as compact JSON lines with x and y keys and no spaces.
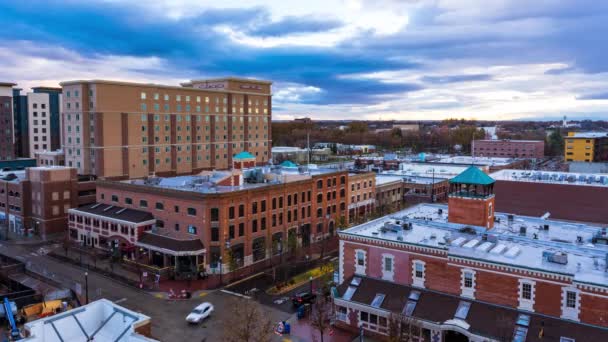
{"x":39,"y":119}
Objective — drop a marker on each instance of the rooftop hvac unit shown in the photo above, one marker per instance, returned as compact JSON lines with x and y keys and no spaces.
{"x":546,"y":227}
{"x":556,"y":257}
{"x":510,"y":217}
{"x":522,"y":230}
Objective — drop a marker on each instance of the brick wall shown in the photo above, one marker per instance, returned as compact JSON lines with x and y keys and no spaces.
{"x":563,"y":201}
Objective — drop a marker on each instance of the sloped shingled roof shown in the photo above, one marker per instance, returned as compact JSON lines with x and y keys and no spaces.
{"x":115,"y":212}
{"x":485,"y":319}
{"x":474,"y":176}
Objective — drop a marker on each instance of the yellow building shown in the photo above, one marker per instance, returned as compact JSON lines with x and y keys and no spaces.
{"x":586,"y":146}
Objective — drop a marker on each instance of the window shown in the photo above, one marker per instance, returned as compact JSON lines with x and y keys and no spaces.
{"x":378,"y":299}
{"x":143,"y":203}
{"x":191,"y":229}
{"x":191,"y":211}
{"x":159,"y":206}
{"x":215,"y":214}
{"x":128,"y":200}
{"x":388,"y":267}
{"x":467,"y":283}
{"x":114,"y":198}
{"x":215,"y":234}
{"x":418,"y":273}
{"x":570,"y":304}
{"x":360,"y":261}
{"x":463,"y":310}
{"x":526,"y":294}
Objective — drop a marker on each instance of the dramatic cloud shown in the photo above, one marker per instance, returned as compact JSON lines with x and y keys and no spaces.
{"x":331,"y":59}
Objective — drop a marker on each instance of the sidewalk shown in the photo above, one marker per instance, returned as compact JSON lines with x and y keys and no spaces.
{"x":301,"y":330}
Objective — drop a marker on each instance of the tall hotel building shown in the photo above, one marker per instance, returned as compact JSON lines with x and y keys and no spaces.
{"x":119,"y":130}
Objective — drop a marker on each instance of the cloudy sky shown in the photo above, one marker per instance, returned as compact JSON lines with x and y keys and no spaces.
{"x":331,"y":59}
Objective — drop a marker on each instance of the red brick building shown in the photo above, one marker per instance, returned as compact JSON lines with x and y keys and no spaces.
{"x":241,"y":218}
{"x":518,"y":279}
{"x":508,"y":148}
{"x":36,"y":201}
{"x":564,"y":195}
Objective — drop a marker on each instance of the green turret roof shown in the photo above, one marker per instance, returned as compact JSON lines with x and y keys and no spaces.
{"x":288,"y":163}
{"x":243,"y":155}
{"x":474,"y":176}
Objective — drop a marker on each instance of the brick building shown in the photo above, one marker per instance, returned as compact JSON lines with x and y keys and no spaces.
{"x":507,"y":148}
{"x":120,"y":130}
{"x":242,"y":218}
{"x":36,"y":201}
{"x":519,"y":279}
{"x":564,"y":195}
{"x":362,"y":194}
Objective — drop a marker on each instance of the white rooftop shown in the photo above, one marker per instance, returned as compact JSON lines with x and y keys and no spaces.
{"x":382,"y":179}
{"x":287,"y":149}
{"x":100,"y":320}
{"x":571,"y":178}
{"x":469,"y":160}
{"x":518,"y":241}
{"x":207,"y":182}
{"x":428,"y":169}
{"x":589,"y":135}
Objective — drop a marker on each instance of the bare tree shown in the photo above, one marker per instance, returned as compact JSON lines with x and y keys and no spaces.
{"x":247,"y":322}
{"x":320,"y":316}
{"x":401,"y":328}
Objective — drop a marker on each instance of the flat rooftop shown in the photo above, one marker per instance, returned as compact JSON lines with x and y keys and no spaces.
{"x":552,"y":177}
{"x":588,"y":135}
{"x":252,"y":179}
{"x":428,"y":169}
{"x":469,"y":160}
{"x":383,"y":178}
{"x":102,"y":320}
{"x":518,"y":241}
{"x":509,"y":140}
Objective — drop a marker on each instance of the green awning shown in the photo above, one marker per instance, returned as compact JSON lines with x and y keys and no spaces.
{"x":474,"y":176}
{"x":288,"y":163}
{"x":244,"y":155}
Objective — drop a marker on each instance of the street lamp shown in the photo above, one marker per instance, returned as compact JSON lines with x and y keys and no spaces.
{"x":86,"y":286}
{"x":310,"y":279}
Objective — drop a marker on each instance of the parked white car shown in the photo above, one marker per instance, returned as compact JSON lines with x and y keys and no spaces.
{"x":200,"y":313}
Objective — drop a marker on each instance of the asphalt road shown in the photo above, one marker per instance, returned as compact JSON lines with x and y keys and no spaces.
{"x":168,"y":317}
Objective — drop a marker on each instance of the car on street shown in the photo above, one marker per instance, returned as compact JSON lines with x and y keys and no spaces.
{"x":303,"y":298}
{"x":200,"y":313}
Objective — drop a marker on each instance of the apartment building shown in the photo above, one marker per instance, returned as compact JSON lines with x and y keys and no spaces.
{"x":119,"y":130}
{"x":586,"y":147}
{"x":462,"y":272}
{"x":229,"y":222}
{"x":44,"y":133}
{"x":7,"y":134}
{"x":507,"y":148}
{"x":36,"y":201}
{"x":362,"y":194}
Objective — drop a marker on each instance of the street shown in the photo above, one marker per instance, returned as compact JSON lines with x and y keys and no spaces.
{"x":168,"y":317}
